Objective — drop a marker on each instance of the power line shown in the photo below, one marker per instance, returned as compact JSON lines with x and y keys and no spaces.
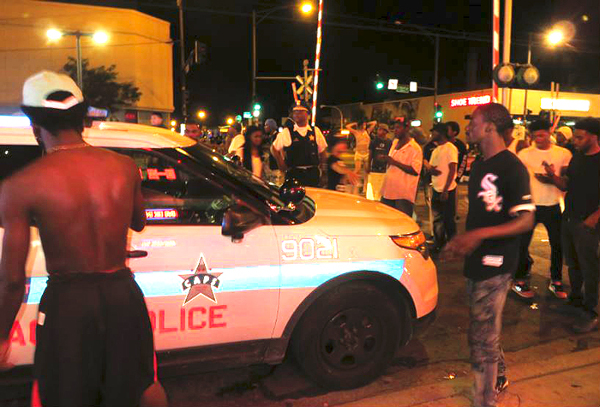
{"x":85,"y":47}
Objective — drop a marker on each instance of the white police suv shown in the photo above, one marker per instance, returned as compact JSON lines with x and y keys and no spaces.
{"x":235,"y":272}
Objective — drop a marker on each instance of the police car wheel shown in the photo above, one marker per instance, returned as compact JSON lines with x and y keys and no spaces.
{"x":348,"y":336}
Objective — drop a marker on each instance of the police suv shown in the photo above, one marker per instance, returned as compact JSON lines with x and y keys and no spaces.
{"x":236,"y":272}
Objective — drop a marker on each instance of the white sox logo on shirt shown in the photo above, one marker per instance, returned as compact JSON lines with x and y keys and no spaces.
{"x":489,"y":195}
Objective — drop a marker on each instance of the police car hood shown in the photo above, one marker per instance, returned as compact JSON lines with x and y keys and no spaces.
{"x":350,"y":215}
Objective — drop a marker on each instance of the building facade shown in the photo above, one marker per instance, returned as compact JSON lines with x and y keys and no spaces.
{"x":139,"y":45}
{"x":459,"y":106}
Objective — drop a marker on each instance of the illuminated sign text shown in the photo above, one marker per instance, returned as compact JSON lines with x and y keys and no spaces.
{"x":471,"y":101}
{"x":572,"y":105}
{"x":161,"y":214}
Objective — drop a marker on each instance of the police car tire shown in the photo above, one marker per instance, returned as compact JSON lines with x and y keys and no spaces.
{"x":358,"y":297}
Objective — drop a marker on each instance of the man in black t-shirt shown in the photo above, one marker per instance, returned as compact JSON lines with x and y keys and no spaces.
{"x":377,"y":164}
{"x":500,"y":209}
{"x":580,"y":223}
{"x":453,"y":132}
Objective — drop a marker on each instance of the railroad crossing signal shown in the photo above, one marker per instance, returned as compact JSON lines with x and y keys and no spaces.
{"x":304,"y":85}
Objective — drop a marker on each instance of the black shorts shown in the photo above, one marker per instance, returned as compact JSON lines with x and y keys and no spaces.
{"x":94,"y":341}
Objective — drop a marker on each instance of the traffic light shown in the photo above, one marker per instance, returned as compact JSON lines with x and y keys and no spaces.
{"x":379,"y":85}
{"x":438,"y":113}
{"x":257,"y":106}
{"x":199,"y":52}
{"x":519,"y":76}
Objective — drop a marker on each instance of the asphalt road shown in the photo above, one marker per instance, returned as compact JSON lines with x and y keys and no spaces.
{"x":437,"y":353}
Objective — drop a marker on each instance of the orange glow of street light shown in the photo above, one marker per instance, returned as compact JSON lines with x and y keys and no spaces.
{"x":555,"y":37}
{"x":53,"y":34}
{"x":100,"y":37}
{"x":306,"y":8}
{"x":201,"y":114}
{"x":229,"y":121}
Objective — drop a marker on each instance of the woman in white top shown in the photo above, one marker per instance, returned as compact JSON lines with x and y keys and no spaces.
{"x":361,"y":132}
{"x":252,"y":153}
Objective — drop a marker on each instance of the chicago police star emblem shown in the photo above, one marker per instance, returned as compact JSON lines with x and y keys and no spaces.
{"x":201,"y":282}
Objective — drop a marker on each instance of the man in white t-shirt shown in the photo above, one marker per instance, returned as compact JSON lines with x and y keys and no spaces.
{"x":299,"y":149}
{"x":539,"y":159}
{"x":444,"y":163}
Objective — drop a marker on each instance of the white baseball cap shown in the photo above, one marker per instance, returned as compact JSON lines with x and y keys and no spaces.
{"x":38,"y":87}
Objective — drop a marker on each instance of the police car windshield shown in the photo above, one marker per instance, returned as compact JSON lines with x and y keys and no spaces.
{"x":238,"y":173}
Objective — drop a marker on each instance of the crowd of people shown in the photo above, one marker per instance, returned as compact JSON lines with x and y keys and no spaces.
{"x":548,"y":177}
{"x":512,"y":187}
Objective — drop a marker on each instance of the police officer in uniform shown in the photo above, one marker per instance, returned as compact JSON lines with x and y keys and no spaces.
{"x":299,"y":148}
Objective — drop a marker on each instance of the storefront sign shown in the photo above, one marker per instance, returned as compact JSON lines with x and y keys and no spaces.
{"x":471,"y":101}
{"x":572,"y":105}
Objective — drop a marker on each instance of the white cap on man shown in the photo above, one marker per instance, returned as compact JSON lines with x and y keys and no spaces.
{"x":39,"y":87}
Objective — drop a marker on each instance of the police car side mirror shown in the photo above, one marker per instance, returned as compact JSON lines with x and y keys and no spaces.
{"x":238,"y":220}
{"x":236,"y":160}
{"x":292,"y":192}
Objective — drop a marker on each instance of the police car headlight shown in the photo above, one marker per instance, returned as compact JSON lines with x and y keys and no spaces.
{"x":414,"y":241}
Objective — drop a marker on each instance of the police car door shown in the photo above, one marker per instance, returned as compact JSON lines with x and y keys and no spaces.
{"x":202,"y":288}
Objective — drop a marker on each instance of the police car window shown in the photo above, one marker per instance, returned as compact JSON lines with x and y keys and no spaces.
{"x":13,"y":158}
{"x":174,"y":196}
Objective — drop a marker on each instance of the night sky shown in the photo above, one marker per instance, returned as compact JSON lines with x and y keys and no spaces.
{"x":353,"y":57}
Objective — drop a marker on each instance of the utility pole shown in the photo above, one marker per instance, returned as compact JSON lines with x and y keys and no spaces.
{"x":79,"y":61}
{"x":506,"y":46}
{"x":253,"y":56}
{"x":184,"y":95}
{"x":436,"y":72}
{"x":528,"y":63}
{"x":305,"y":68}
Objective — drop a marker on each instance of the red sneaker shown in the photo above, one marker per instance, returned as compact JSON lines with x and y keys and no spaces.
{"x":556,"y":287}
{"x":522,"y":289}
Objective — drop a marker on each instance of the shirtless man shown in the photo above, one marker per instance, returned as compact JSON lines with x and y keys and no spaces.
{"x":94,"y":338}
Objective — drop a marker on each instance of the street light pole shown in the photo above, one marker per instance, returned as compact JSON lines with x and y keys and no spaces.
{"x":182,"y":62}
{"x":263,"y":15}
{"x":253,"y":56}
{"x":341,"y":114}
{"x":437,"y":63}
{"x":506,"y":46}
{"x":79,"y":60}
{"x":528,"y":63}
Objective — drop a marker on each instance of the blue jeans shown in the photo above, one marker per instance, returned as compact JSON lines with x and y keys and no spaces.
{"x":486,"y":302}
{"x":580,"y":245}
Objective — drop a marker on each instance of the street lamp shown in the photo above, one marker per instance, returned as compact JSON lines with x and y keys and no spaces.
{"x":340,"y":112}
{"x":99,"y":37}
{"x":229,"y":121}
{"x":305,"y":7}
{"x":201,"y":115}
{"x":555,"y":37}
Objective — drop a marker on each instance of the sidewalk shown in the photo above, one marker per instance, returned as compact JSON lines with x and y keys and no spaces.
{"x":569,"y":380}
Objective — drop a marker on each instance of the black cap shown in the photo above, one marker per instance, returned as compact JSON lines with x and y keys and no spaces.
{"x":590,"y":125}
{"x":440,"y":128}
{"x":541,"y":124}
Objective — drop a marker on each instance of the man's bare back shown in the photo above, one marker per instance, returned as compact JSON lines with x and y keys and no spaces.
{"x":83,"y":201}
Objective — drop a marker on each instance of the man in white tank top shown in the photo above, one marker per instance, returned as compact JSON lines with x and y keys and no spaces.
{"x":361,"y":132}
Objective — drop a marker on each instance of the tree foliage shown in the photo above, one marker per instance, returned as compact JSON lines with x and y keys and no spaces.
{"x":100,"y":86}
